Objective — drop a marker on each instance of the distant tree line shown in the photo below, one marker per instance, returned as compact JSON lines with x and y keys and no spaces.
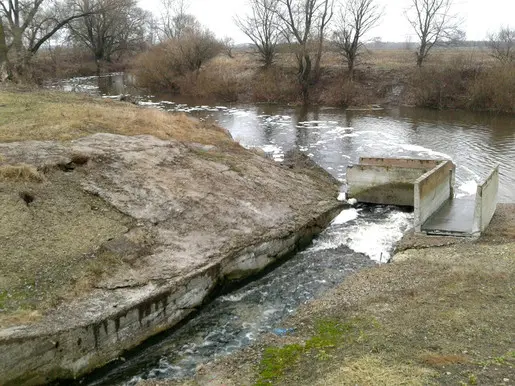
{"x":112,"y":29}
{"x":108,"y":29}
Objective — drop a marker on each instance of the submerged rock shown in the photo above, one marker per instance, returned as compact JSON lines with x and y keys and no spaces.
{"x":128,"y":235}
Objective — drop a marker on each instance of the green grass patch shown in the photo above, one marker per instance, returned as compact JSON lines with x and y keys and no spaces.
{"x":328,"y":335}
{"x":277,"y":360}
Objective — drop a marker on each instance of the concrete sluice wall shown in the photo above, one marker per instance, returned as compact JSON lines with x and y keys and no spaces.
{"x":431,"y":191}
{"x":428,"y":186}
{"x":486,"y":200}
{"x":386,"y":180}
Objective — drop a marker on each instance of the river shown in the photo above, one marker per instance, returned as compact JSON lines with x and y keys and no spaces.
{"x":357,"y":238}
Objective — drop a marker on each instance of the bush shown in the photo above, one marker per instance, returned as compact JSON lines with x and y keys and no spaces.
{"x":168,"y":64}
{"x":444,"y":87}
{"x":274,"y":84}
{"x":493,"y":90}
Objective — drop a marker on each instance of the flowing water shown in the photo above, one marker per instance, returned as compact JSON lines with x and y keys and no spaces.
{"x":357,"y":238}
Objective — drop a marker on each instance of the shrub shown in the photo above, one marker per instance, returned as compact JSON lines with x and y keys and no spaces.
{"x":493,"y":90}
{"x":274,"y":84}
{"x":439,"y":88}
{"x":167,"y":64}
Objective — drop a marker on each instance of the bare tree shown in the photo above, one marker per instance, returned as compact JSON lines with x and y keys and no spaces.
{"x":197,"y":47}
{"x":117,"y":26}
{"x":175,"y":19}
{"x":3,"y":53}
{"x":433,"y":23}
{"x":322,"y":22}
{"x":228,"y":45}
{"x":304,"y":21}
{"x":25,"y":26}
{"x":502,"y":45}
{"x":355,"y":20}
{"x":262,"y":28}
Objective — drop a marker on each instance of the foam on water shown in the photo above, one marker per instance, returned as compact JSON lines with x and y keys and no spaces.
{"x":377,"y":239}
{"x":238,"y":296}
{"x":423,"y":151}
{"x":346,"y":215}
{"x":276,"y":152}
{"x":149,"y":103}
{"x":468,"y":188}
{"x":372,"y":237}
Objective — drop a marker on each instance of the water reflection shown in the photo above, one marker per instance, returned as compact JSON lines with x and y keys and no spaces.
{"x":334,"y":137}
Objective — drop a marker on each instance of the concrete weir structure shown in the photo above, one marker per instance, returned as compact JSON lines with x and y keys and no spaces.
{"x":428,"y":186}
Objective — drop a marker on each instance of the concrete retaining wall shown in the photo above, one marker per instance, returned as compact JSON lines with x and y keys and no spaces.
{"x":37,"y":358}
{"x":432,"y":190}
{"x":30,"y":356}
{"x":486,"y":201}
{"x":382,"y":184}
{"x":400,"y":162}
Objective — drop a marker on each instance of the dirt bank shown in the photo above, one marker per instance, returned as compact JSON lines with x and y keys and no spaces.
{"x":436,"y":315}
{"x":450,"y":79}
{"x":117,"y":222}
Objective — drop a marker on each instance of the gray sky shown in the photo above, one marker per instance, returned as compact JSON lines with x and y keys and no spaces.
{"x":480,"y":17}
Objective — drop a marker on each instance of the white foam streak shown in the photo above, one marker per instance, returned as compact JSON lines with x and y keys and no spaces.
{"x":346,"y":215}
{"x":422,"y":151}
{"x":374,"y":238}
{"x":468,"y":188}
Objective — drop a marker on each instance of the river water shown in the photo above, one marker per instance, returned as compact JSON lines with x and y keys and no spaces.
{"x":357,"y":238}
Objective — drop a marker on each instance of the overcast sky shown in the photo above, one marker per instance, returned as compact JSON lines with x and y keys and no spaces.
{"x":480,"y":17}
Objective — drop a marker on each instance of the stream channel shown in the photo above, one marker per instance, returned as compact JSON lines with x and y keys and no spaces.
{"x":359,"y":237}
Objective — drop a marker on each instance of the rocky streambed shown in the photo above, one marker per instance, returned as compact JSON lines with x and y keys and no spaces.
{"x":108,"y":239}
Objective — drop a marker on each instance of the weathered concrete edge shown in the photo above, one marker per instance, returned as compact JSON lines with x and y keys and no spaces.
{"x":400,"y":162}
{"x":72,"y":351}
{"x":431,"y":191}
{"x":486,"y":200}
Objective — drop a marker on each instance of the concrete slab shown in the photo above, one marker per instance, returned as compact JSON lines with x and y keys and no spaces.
{"x":455,"y":217}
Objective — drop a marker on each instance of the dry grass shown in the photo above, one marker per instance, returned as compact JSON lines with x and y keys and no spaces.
{"x":442,"y":316}
{"x":20,"y":317}
{"x":18,"y":173}
{"x":465,"y":78}
{"x":49,"y":245}
{"x":493,"y":90}
{"x":374,"y":370}
{"x":42,"y":115}
{"x":405,"y":59}
{"x":443,"y":359}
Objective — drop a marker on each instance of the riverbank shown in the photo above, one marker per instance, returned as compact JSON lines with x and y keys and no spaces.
{"x":466,"y":79}
{"x":435,"y":315}
{"x":118,"y":221}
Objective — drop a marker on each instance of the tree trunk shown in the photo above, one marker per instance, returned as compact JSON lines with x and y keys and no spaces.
{"x":350,"y":67}
{"x":421,"y":54}
{"x":304,"y":76}
{"x":318,"y":59}
{"x":4,"y":74}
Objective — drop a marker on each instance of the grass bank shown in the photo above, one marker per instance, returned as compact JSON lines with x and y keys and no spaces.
{"x":45,"y":115}
{"x":437,"y":315}
{"x":50,"y":228}
{"x":450,"y":79}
